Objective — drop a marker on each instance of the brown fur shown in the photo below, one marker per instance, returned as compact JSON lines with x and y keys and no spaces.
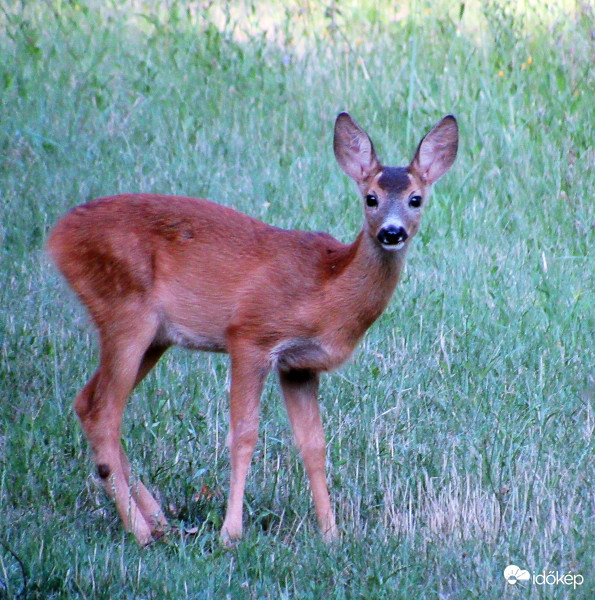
{"x":156,"y":271}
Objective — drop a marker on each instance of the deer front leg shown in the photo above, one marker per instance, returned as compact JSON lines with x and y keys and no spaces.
{"x":300,"y":391}
{"x":247,"y":380}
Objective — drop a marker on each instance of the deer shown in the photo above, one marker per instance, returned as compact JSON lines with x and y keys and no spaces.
{"x":154,"y":271}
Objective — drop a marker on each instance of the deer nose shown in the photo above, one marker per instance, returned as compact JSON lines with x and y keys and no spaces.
{"x":392,"y":236}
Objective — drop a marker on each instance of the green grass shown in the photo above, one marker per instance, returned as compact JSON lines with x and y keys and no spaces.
{"x":459,"y":437}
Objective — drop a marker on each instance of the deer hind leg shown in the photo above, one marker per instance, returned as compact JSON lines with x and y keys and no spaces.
{"x":100,"y":407}
{"x":247,"y":381}
{"x":300,"y":391}
{"x":148,"y":506}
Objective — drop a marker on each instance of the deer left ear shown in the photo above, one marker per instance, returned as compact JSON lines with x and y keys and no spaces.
{"x":437,"y":151}
{"x":354,"y":150}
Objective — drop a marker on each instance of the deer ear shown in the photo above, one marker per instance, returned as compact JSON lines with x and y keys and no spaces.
{"x":354,"y":150}
{"x":437,"y":151}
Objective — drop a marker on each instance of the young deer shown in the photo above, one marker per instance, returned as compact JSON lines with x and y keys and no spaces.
{"x":154,"y":271}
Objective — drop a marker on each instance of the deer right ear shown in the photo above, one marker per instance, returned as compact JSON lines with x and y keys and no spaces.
{"x":354,"y":150}
{"x":437,"y":150}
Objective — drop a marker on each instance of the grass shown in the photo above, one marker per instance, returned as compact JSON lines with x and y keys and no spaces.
{"x":459,"y":437}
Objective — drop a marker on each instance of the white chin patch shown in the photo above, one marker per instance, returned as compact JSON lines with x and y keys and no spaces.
{"x":393,"y":247}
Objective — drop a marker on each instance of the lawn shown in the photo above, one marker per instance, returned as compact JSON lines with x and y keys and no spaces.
{"x":459,"y":435}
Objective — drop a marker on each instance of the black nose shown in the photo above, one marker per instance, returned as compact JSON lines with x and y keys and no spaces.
{"x":391,"y":236}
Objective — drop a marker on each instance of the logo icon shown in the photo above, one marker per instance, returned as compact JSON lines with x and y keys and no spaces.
{"x":514,"y":574}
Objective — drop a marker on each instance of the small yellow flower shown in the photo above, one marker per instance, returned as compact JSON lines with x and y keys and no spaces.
{"x":529,"y":61}
{"x":428,"y":11}
{"x":523,"y":65}
{"x":500,"y":73}
{"x":358,"y":42}
{"x":576,"y":93}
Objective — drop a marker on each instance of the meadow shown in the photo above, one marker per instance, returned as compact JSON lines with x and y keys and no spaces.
{"x":460,"y":434}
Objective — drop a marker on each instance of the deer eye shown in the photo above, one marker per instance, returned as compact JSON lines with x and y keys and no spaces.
{"x":415,"y":202}
{"x":371,"y":200}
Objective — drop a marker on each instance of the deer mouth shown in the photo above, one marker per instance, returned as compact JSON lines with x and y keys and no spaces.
{"x":392,"y":237}
{"x":393,"y":247}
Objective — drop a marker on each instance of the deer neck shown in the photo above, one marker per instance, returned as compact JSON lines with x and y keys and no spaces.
{"x":366,"y":284}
